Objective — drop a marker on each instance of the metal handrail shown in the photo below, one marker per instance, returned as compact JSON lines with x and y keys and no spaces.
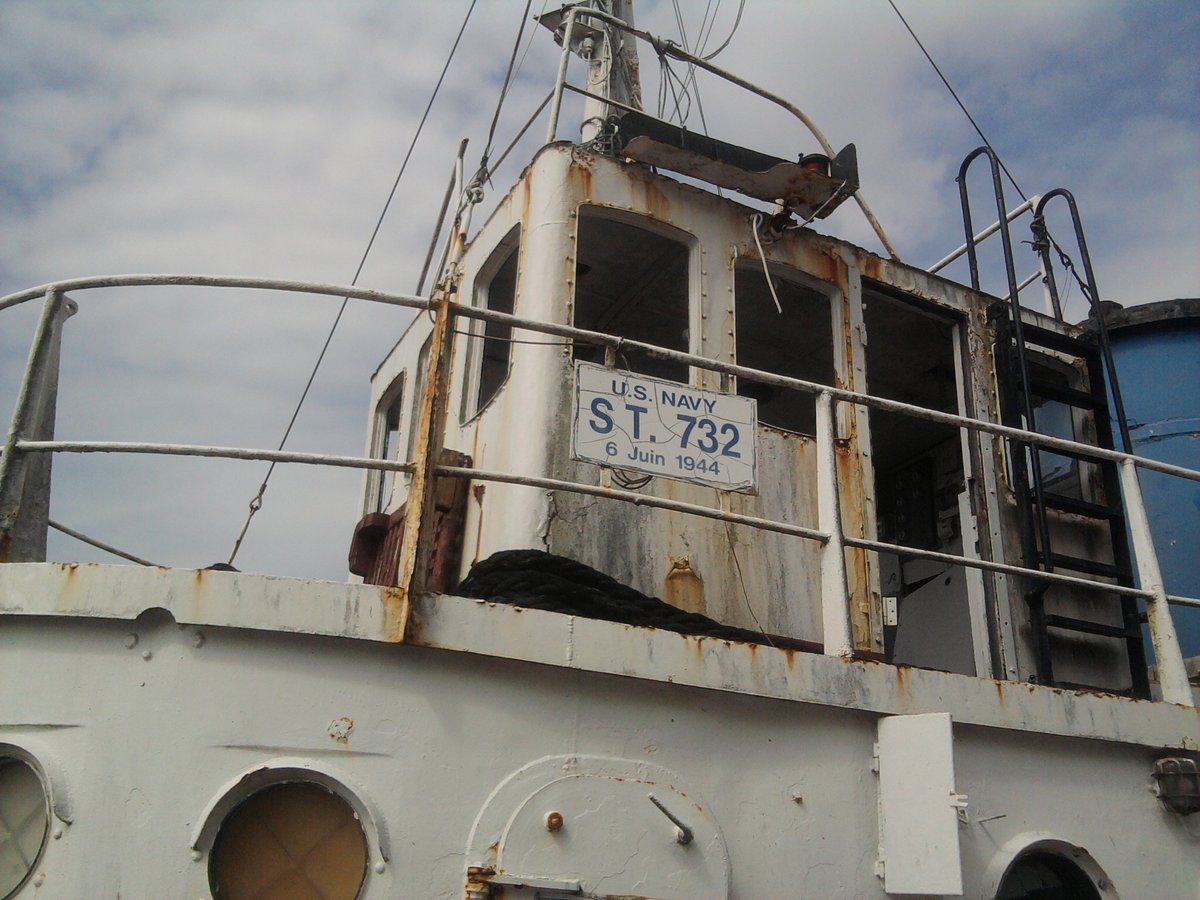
{"x":835,"y":602}
{"x":266,"y":284}
{"x":407,"y":466}
{"x":607,"y":340}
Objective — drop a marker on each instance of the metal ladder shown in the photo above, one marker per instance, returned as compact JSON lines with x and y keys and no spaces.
{"x":1020,"y":393}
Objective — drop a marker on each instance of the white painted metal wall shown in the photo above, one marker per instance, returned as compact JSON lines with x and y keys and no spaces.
{"x":143,"y":723}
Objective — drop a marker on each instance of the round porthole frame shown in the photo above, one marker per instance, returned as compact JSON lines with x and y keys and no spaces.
{"x":11,"y":754}
{"x":243,"y":787}
{"x":1029,"y":844}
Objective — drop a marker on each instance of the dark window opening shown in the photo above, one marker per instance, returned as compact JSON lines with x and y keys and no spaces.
{"x":633,"y":283}
{"x":1060,"y":474}
{"x":499,"y":296}
{"x":797,"y":343}
{"x":388,"y":419}
{"x":418,"y":395}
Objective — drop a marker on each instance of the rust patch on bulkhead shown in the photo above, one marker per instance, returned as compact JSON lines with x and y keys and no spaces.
{"x":827,"y":267}
{"x":870,"y":265}
{"x":478,"y":492}
{"x":656,"y":202}
{"x":395,"y":601}
{"x":697,"y":646}
{"x":852,"y":495}
{"x":480,"y":874}
{"x":683,"y":587}
{"x":902,"y":673}
{"x":526,"y":205}
{"x":339,"y":730}
{"x":581,"y":171}
{"x":790,"y":657}
{"x":999,"y":685}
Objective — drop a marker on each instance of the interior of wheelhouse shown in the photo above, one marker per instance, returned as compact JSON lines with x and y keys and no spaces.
{"x":919,"y":482}
{"x":632,"y":281}
{"x":794,"y":339}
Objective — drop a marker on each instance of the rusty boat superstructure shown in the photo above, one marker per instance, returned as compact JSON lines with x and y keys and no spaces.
{"x":901,"y":551}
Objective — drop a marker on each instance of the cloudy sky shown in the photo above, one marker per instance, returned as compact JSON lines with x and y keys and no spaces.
{"x":261,"y":137}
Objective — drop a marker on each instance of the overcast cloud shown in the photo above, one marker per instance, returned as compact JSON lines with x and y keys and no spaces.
{"x":261,"y":138}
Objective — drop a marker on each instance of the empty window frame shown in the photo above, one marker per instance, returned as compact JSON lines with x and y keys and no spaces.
{"x":497,"y":291}
{"x":1063,"y":475}
{"x":632,"y":282}
{"x":797,"y":343}
{"x":418,"y":395}
{"x":385,"y":443}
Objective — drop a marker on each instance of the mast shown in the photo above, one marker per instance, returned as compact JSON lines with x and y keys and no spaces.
{"x":611,"y":55}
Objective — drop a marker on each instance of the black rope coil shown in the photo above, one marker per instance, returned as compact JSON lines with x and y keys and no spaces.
{"x":534,"y":579}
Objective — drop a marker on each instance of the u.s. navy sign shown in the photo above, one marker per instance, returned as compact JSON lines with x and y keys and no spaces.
{"x":663,"y":428}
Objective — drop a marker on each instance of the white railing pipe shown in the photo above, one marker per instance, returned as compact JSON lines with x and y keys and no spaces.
{"x":837,"y":633}
{"x":986,"y":233}
{"x":1172,"y":673}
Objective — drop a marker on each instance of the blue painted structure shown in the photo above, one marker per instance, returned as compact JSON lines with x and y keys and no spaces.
{"x":1156,"y":350}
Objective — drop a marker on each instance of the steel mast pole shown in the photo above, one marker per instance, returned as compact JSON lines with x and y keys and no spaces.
{"x":612,"y":68}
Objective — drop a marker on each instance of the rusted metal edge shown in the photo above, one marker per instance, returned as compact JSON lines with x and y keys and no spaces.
{"x":431,"y":428}
{"x":353,"y":611}
{"x":554,"y":639}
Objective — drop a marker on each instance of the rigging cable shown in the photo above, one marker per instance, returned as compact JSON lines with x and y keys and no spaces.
{"x":1064,"y":258}
{"x":732,"y":32}
{"x":257,"y":501}
{"x":512,"y":59}
{"x":961,"y":105}
{"x":529,"y":43}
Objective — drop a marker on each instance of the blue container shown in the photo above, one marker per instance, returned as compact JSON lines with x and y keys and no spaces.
{"x":1156,"y":350}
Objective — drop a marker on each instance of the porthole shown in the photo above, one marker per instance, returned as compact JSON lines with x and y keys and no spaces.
{"x":24,"y":823}
{"x":1042,"y":875}
{"x":290,"y":840}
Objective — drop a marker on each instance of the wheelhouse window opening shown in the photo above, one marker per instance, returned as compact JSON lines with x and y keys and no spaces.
{"x":497,"y":291}
{"x":1061,"y":474}
{"x":632,"y":281}
{"x":389,"y":415}
{"x":919,"y":483}
{"x":797,"y":343}
{"x":418,"y":395}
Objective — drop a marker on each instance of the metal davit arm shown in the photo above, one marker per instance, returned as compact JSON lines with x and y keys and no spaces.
{"x":669,"y":49}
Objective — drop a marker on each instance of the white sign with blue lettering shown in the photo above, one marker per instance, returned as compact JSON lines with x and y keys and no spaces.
{"x":665,"y":428}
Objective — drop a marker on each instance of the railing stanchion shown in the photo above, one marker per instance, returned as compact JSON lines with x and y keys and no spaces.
{"x":835,"y":599}
{"x":556,"y":103}
{"x":1172,"y":674}
{"x":24,"y":514}
{"x":431,"y":429}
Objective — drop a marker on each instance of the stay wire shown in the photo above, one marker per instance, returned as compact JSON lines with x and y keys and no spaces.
{"x":257,"y":501}
{"x":957,"y":100}
{"x":983,"y":137}
{"x":508,"y":75}
{"x":725,"y":43}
